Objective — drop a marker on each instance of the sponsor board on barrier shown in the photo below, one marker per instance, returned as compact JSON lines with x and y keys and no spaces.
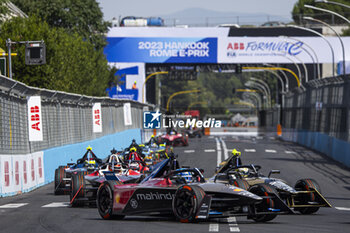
{"x":127,"y":114}
{"x":35,"y":128}
{"x":97,"y":118}
{"x":20,"y":173}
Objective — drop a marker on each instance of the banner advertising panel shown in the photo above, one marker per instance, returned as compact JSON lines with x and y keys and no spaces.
{"x":213,"y":45}
{"x":280,"y":50}
{"x":34,"y":118}
{"x":127,"y":114}
{"x":97,"y":118}
{"x":131,"y":78}
{"x":161,"y":50}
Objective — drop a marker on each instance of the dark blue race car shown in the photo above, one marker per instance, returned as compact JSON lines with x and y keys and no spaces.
{"x":85,"y":165}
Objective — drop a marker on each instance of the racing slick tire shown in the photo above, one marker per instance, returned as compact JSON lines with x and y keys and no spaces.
{"x":77,"y":189}
{"x":186,"y":202}
{"x":264,"y":190}
{"x":239,"y":183}
{"x":304,"y":185}
{"x":60,"y":173}
{"x":104,"y":201}
{"x":185,"y":140}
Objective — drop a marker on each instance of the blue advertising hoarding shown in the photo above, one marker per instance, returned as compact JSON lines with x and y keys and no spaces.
{"x":161,"y":50}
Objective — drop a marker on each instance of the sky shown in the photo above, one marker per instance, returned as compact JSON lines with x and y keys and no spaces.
{"x":116,"y":8}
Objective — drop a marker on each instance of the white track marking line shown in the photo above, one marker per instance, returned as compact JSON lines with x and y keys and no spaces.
{"x":270,"y":151}
{"x":214,"y":227}
{"x":225,"y":149}
{"x":290,"y":152}
{"x":233,"y":224}
{"x":234,"y":133}
{"x":342,"y":208}
{"x":209,"y":150}
{"x":218,"y":148}
{"x":57,"y":204}
{"x":234,"y":229}
{"x":12,"y":205}
{"x":249,"y":150}
{"x":189,"y":151}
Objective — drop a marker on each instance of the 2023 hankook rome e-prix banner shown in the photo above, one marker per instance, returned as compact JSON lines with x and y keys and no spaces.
{"x":162,"y":50}
{"x":213,"y":45}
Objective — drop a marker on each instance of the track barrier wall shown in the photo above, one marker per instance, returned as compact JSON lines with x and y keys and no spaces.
{"x":318,"y":118}
{"x":66,"y":122}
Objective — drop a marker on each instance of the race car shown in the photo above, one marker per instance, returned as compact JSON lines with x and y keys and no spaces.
{"x":134,"y":159}
{"x":166,"y":192}
{"x":154,"y":153}
{"x":304,"y":197}
{"x":194,"y":132}
{"x":174,"y":138}
{"x":87,"y":164}
{"x":84,"y":186}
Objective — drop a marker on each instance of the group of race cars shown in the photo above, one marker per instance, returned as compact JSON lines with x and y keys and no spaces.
{"x":147,"y":179}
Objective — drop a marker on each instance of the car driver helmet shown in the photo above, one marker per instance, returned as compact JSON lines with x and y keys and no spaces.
{"x":133,"y":149}
{"x":244,"y":172}
{"x":236,"y":153}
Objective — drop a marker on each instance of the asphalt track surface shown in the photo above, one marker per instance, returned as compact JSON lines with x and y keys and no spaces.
{"x":26,"y":212}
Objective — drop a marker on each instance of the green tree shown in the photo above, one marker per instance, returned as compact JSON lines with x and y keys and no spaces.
{"x":80,"y":16}
{"x":216,"y":92}
{"x":3,"y":10}
{"x":73,"y":65}
{"x":299,"y":11}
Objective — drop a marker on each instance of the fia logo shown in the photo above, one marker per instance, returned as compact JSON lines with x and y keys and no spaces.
{"x":151,"y":120}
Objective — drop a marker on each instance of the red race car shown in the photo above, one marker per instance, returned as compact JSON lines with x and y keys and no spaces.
{"x":174,"y":138}
{"x":84,"y":187}
{"x":185,"y":194}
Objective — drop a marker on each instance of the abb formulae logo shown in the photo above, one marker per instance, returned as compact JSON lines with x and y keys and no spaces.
{"x":34,"y":119}
{"x":97,"y":118}
{"x":235,"y":46}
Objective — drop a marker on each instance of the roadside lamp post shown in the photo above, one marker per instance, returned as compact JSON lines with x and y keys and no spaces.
{"x":341,"y":41}
{"x":179,"y":93}
{"x":323,"y":37}
{"x":148,"y":77}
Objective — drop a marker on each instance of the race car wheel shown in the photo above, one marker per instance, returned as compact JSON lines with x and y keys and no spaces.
{"x":60,"y":173}
{"x":239,"y":183}
{"x":305,"y":198}
{"x":185,"y":140}
{"x":104,"y":202}
{"x":186,"y":203}
{"x":77,"y":188}
{"x":264,"y":190}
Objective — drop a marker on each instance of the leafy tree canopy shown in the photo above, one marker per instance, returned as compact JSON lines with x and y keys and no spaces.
{"x":216,"y":92}
{"x":73,"y":65}
{"x":81,"y":16}
{"x":3,"y":9}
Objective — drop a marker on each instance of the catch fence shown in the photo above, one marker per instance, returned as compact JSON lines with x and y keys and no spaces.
{"x":323,"y":107}
{"x":66,"y":118}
